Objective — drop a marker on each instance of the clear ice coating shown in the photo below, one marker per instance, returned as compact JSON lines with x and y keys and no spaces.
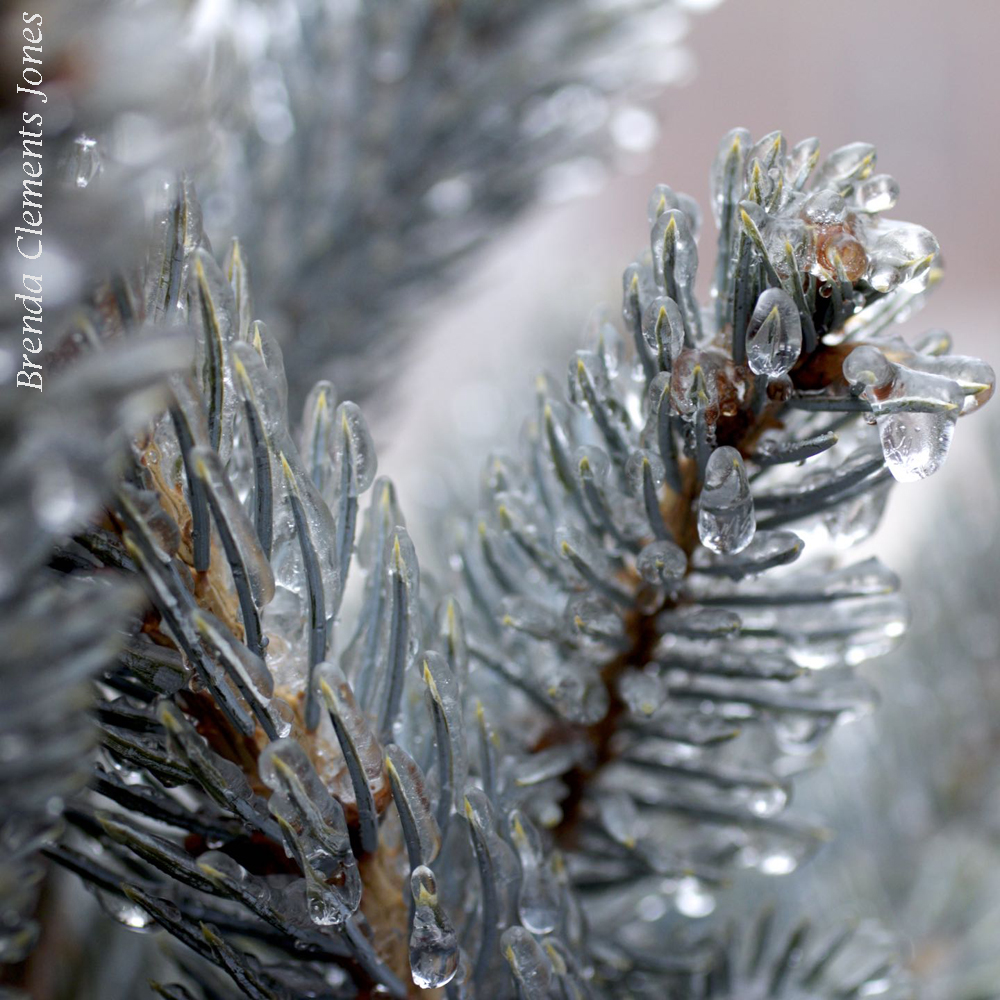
{"x":774,"y":335}
{"x":663,"y":198}
{"x":210,"y":309}
{"x":726,"y":521}
{"x":589,"y":478}
{"x":915,"y":411}
{"x":901,"y":254}
{"x":539,"y":896}
{"x":643,"y":692}
{"x":449,"y":731}
{"x":339,"y":700}
{"x":663,"y":330}
{"x":434,"y":952}
{"x":847,"y":163}
{"x":675,"y":262}
{"x":353,"y":449}
{"x":877,"y":194}
{"x":726,"y":176}
{"x":409,"y":790}
{"x":316,"y":435}
{"x":620,"y":818}
{"x":661,"y":562}
{"x":529,"y":965}
{"x":315,"y":830}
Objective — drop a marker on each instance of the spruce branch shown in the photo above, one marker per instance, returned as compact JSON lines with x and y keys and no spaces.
{"x":469,"y":794}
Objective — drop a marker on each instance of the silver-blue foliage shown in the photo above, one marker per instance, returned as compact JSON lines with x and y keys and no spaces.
{"x":323,"y":778}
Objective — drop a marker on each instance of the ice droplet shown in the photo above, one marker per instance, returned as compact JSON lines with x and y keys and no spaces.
{"x":664,"y":198}
{"x":642,"y":692}
{"x":353,"y":444}
{"x":726,"y":178}
{"x":85,"y":160}
{"x":675,"y":253}
{"x":661,"y":562}
{"x":692,"y":899}
{"x":529,"y":965}
{"x":904,"y":252}
{"x":853,"y":162}
{"x":915,"y":411}
{"x":620,"y":818}
{"x":663,"y":329}
{"x":538,"y":899}
{"x":877,"y":194}
{"x":433,"y":942}
{"x":774,"y":334}
{"x":725,"y":510}
{"x":799,"y":163}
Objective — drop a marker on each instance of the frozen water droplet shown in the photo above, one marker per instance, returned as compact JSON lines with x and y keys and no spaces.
{"x":800,"y":161}
{"x":868,"y":366}
{"x":692,"y":899}
{"x":529,"y":965}
{"x":905,"y":252}
{"x":664,"y":198}
{"x":86,"y":160}
{"x":824,"y":208}
{"x":725,"y":509}
{"x":675,"y":253}
{"x":726,"y":177}
{"x":636,"y":471}
{"x":434,"y":953}
{"x":620,"y":817}
{"x":539,"y":903}
{"x":848,"y":163}
{"x":915,"y":411}
{"x":877,"y":194}
{"x":663,"y":329}
{"x":643,"y":692}
{"x":661,"y":562}
{"x":778,"y":862}
{"x":694,"y":386}
{"x":353,"y":444}
{"x":125,"y":912}
{"x":774,"y":334}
